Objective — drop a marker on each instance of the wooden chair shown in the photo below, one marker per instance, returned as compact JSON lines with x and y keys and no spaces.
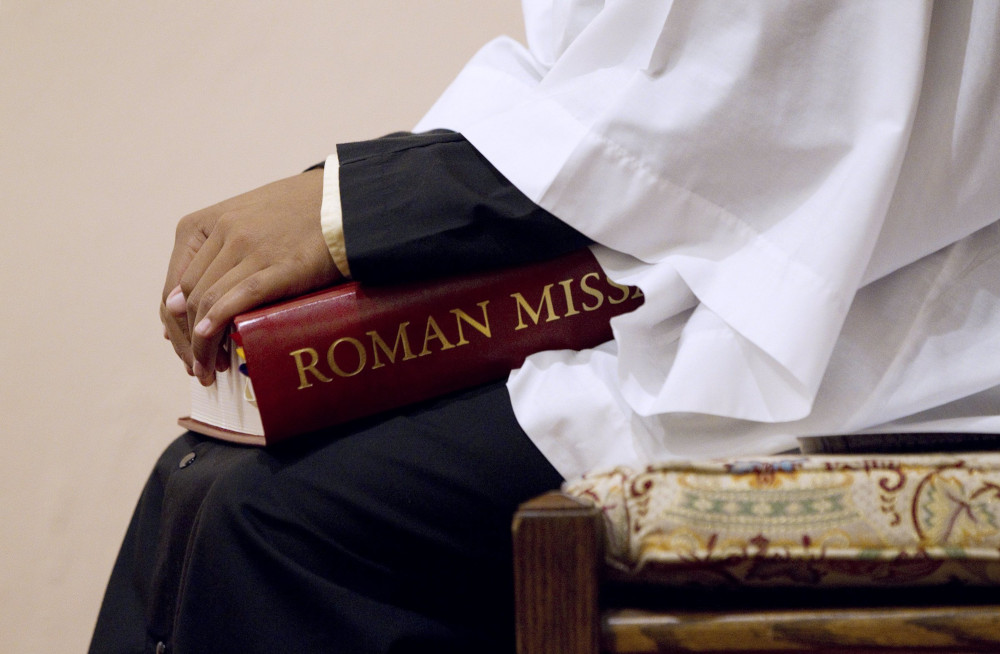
{"x":570,"y":601}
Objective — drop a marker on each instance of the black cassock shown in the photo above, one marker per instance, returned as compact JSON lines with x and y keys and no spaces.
{"x":386,"y":535}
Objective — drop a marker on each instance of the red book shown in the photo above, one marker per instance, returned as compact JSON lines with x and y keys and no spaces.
{"x":353,"y":351}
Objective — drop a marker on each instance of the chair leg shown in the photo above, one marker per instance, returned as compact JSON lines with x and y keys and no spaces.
{"x":557,"y":554}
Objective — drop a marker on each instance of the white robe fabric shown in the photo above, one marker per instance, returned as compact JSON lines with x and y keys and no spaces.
{"x":807,"y":193}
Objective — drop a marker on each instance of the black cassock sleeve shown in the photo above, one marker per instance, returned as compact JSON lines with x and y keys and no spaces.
{"x":418,"y":206}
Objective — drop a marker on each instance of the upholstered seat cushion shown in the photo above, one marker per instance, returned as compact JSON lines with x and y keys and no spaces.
{"x":837,"y":520}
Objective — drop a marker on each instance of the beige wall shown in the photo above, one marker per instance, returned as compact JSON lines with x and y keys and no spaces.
{"x":116,"y":118}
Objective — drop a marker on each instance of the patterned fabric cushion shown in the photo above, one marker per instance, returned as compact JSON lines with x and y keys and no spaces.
{"x":804,"y":520}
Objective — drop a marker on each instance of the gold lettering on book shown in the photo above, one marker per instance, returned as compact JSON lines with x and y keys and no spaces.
{"x":331,"y":356}
{"x":481,"y":327}
{"x":568,"y":292}
{"x":303,"y":368}
{"x":553,"y":309}
{"x":401,"y":339}
{"x":591,"y":291}
{"x":624,"y":289}
{"x":437,"y":335}
{"x":348,"y":356}
{"x":535,"y":315}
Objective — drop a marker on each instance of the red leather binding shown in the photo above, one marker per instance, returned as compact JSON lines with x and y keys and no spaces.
{"x":438,"y":351}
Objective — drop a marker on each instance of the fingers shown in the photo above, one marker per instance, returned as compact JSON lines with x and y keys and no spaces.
{"x":173,"y":314}
{"x":209,"y":313}
{"x":212,"y":261}
{"x":238,"y":291}
{"x":192,"y":232}
{"x":175,"y":303}
{"x":176,"y":331}
{"x":227,"y":258}
{"x":253,"y":249}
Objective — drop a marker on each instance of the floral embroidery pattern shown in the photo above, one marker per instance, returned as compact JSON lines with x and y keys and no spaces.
{"x":813,"y":520}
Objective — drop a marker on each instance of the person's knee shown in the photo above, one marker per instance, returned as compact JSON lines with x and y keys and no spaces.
{"x":201,"y":476}
{"x":238,"y":490}
{"x":172,"y":457}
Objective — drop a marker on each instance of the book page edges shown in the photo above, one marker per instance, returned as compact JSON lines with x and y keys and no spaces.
{"x":227,"y":407}
{"x":206,"y":429}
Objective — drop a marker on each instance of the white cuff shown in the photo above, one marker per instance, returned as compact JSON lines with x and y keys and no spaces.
{"x":332,"y":217}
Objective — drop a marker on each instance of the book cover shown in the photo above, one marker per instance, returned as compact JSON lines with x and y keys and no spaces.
{"x":352,"y":351}
{"x":903,"y":442}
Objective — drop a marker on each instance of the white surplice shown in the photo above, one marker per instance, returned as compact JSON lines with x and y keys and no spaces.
{"x":806,"y":192}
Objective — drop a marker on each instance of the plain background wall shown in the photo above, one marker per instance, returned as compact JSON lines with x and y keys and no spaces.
{"x":117,"y":118}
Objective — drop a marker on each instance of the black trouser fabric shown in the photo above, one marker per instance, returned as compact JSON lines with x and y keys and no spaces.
{"x":391,"y":535}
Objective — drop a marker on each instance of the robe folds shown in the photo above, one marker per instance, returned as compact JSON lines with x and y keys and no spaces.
{"x":807,"y":194}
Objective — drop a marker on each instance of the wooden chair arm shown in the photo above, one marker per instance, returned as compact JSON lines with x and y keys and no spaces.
{"x":557,"y":556}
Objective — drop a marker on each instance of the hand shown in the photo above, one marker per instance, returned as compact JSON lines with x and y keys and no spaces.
{"x":256,"y":248}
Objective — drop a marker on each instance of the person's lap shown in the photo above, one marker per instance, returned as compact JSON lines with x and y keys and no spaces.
{"x":390,"y":535}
